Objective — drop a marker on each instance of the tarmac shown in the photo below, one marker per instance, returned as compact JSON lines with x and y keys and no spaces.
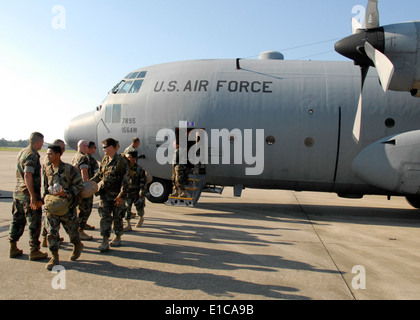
{"x":265,"y":245}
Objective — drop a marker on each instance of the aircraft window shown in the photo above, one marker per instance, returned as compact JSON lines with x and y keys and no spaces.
{"x":136,"y":86}
{"x":270,"y":140}
{"x":133,"y":75}
{"x":390,"y":123}
{"x":128,"y":76}
{"x":108,"y":113}
{"x":309,"y":142}
{"x":142,"y":74}
{"x":116,"y":113}
{"x":113,"y":113}
{"x":126,"y":87}
{"x":117,"y":86}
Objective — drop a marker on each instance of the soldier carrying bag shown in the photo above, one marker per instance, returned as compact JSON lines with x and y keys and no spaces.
{"x":56,"y":205}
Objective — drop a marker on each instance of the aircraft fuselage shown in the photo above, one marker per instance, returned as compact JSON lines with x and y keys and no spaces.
{"x":306,"y":111}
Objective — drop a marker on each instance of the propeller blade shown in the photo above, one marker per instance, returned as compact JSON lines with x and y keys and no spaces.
{"x":382,"y":63}
{"x":358,"y":119}
{"x":372,"y":15}
{"x":355,"y":25}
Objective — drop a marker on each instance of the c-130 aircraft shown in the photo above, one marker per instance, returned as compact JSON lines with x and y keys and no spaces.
{"x":275,"y":124}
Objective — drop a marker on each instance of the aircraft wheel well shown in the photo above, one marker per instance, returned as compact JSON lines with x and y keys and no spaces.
{"x":414,"y":201}
{"x":158,"y":190}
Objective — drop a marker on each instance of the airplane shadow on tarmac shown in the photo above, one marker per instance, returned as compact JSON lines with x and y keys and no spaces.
{"x":317,"y":214}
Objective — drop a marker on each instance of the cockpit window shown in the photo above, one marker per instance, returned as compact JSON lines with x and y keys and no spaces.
{"x":142,"y":74}
{"x":130,"y":86}
{"x":136,"y":86}
{"x":133,"y":75}
{"x":126,"y":87}
{"x":117,"y":86}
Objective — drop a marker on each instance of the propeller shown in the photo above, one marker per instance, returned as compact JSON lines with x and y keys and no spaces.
{"x":355,"y":25}
{"x":382,"y":63}
{"x":372,"y":15}
{"x":366,"y":48}
{"x":358,"y":119}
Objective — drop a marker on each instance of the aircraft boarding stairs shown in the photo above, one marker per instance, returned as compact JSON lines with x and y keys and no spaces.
{"x":196,"y":183}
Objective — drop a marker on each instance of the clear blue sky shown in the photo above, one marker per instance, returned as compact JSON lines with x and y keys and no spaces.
{"x":49,"y":75}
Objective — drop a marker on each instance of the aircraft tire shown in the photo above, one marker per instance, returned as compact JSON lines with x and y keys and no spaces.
{"x":414,"y":201}
{"x":158,"y":190}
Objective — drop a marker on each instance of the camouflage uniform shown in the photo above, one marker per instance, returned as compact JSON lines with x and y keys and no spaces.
{"x":129,"y":149}
{"x":93,"y":166}
{"x":27,"y":161}
{"x":115,"y":176}
{"x":82,"y":161}
{"x":136,"y":190}
{"x":179,"y":172}
{"x":71,"y":181}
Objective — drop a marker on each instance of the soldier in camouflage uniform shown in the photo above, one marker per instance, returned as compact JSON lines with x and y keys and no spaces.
{"x":135,"y":143}
{"x":93,"y":169}
{"x":114,"y":172}
{"x":133,"y":147}
{"x":62,"y":145}
{"x":179,"y":175}
{"x":136,"y":190}
{"x":93,"y":164}
{"x":71,"y":183}
{"x":81,"y":162}
{"x":27,"y":205}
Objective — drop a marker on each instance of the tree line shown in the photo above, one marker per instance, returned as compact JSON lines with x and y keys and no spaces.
{"x":14,"y":144}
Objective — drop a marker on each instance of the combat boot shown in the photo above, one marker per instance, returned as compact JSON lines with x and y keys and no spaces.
{"x":53,"y":262}
{"x":77,"y":250}
{"x":14,"y":251}
{"x":44,"y":242}
{"x":84,"y":236}
{"x":89,"y":227}
{"x":104,"y":245}
{"x":184,"y":194}
{"x":36,"y":255}
{"x":116,"y":242}
{"x":175,"y":193}
{"x":128,"y":228}
{"x":140,"y":222}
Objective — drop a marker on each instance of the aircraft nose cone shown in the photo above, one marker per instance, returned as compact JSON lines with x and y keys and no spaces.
{"x":82,"y":127}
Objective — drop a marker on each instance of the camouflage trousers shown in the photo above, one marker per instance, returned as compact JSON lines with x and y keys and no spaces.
{"x":138,"y":202}
{"x":180,"y":176}
{"x":109,"y":213}
{"x":70,"y":224}
{"x":85,"y":209}
{"x":22,"y":213}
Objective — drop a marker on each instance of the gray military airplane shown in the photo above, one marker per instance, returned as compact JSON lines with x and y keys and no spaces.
{"x":276,"y":124}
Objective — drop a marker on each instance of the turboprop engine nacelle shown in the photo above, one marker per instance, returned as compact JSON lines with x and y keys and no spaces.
{"x":392,"y":163}
{"x":394,"y":51}
{"x":402,"y":47}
